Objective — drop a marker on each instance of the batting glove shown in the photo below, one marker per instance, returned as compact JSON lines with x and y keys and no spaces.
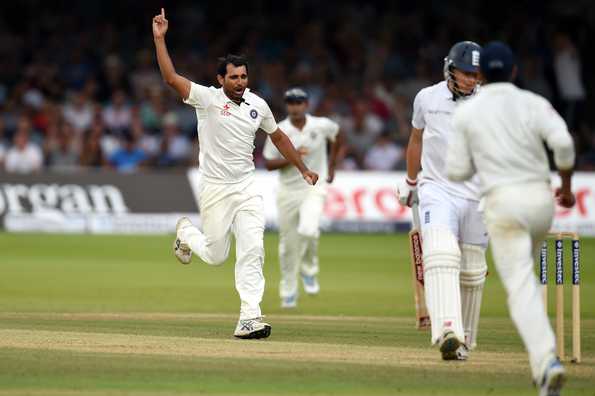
{"x":407,"y":192}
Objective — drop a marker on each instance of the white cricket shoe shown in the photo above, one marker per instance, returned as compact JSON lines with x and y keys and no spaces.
{"x":289,"y":302}
{"x":553,"y":378}
{"x":462,"y":352}
{"x":311,"y":285}
{"x":451,"y":347}
{"x":181,"y":249}
{"x":252,"y":329}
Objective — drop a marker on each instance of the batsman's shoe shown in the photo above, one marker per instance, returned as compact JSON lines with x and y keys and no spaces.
{"x":311,"y":285}
{"x":289,"y":302}
{"x":553,"y":378}
{"x":462,"y":352}
{"x":252,"y":329}
{"x":450,"y":346}
{"x":181,"y":249}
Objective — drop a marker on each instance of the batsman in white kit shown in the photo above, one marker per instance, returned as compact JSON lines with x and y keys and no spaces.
{"x":500,"y":135}
{"x":300,"y":205}
{"x":454,"y":237}
{"x":229,"y":202}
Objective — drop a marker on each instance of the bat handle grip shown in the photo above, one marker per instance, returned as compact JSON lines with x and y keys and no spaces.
{"x":415,"y":214}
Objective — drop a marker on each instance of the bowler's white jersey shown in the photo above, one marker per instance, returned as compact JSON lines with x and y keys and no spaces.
{"x":227,"y":132}
{"x":313,"y":137}
{"x":500,"y":134}
{"x":432,"y":111}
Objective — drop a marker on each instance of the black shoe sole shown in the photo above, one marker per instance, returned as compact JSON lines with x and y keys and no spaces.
{"x":449,"y":349}
{"x":255,"y":335}
{"x":556,"y":384}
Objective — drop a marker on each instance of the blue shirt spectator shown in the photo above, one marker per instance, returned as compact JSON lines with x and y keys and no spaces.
{"x":130,"y":157}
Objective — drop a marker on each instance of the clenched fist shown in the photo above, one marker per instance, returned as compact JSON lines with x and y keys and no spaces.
{"x":310,"y":177}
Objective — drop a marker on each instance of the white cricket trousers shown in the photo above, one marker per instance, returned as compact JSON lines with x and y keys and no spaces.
{"x":236,"y":209}
{"x":299,"y":212}
{"x":518,"y":218}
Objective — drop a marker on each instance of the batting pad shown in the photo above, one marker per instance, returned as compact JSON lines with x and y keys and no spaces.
{"x":472,"y":277}
{"x":442,"y":259}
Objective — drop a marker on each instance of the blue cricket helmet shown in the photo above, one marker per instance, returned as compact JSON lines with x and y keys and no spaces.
{"x":464,"y":56}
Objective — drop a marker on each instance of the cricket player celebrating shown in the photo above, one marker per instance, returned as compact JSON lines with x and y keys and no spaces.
{"x":300,"y":205}
{"x":454,"y":236}
{"x":229,"y":202}
{"x":499,"y":135}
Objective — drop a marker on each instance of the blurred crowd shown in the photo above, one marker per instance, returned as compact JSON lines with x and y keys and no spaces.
{"x":80,"y":87}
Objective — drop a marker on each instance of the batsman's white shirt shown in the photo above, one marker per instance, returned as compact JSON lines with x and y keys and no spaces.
{"x":227,"y":132}
{"x":432,"y":111}
{"x":500,"y":135}
{"x":313,"y":137}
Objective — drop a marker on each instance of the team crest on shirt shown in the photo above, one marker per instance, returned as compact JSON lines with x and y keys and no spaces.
{"x":253,"y":114}
{"x":225,"y":110}
{"x":313,"y":135}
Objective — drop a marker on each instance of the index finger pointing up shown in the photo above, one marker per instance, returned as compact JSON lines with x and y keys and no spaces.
{"x":162,"y":12}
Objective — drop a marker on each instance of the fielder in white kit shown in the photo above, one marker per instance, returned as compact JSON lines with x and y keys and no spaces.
{"x":300,"y":205}
{"x":453,"y":232}
{"x":500,"y":135}
{"x":229,"y":202}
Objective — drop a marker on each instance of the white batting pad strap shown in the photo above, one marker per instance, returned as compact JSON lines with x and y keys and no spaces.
{"x":473,"y":265}
{"x":473,"y":274}
{"x":441,"y":271}
{"x":440,"y":242}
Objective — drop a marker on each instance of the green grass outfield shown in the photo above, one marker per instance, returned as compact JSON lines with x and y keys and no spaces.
{"x":117,"y":315}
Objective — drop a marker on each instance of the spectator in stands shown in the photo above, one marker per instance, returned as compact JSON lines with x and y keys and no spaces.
{"x":361,"y":129}
{"x":145,"y":76}
{"x":175,"y":147}
{"x":533,"y":77}
{"x":129,"y":157}
{"x":152,"y":110}
{"x":79,"y":112}
{"x":117,"y":116}
{"x":92,"y":153}
{"x":23,"y":156}
{"x":64,"y":156}
{"x":149,"y":143}
{"x":568,"y":69}
{"x":384,"y":155}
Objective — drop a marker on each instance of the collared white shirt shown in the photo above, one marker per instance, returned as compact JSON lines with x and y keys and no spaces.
{"x":432,"y":111}
{"x":314,"y":135}
{"x":227,"y":131}
{"x":500,"y":134}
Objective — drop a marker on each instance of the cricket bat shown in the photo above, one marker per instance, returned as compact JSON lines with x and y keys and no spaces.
{"x":417,"y":271}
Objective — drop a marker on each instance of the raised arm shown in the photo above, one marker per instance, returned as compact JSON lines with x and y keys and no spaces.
{"x":168,"y":72}
{"x":283,"y":144}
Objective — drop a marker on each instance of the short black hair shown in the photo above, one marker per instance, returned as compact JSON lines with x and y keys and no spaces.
{"x":236,"y":60}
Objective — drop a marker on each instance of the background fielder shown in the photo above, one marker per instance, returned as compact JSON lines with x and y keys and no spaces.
{"x":229,"y":202}
{"x":500,"y":135}
{"x":299,"y":205}
{"x":454,"y":236}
